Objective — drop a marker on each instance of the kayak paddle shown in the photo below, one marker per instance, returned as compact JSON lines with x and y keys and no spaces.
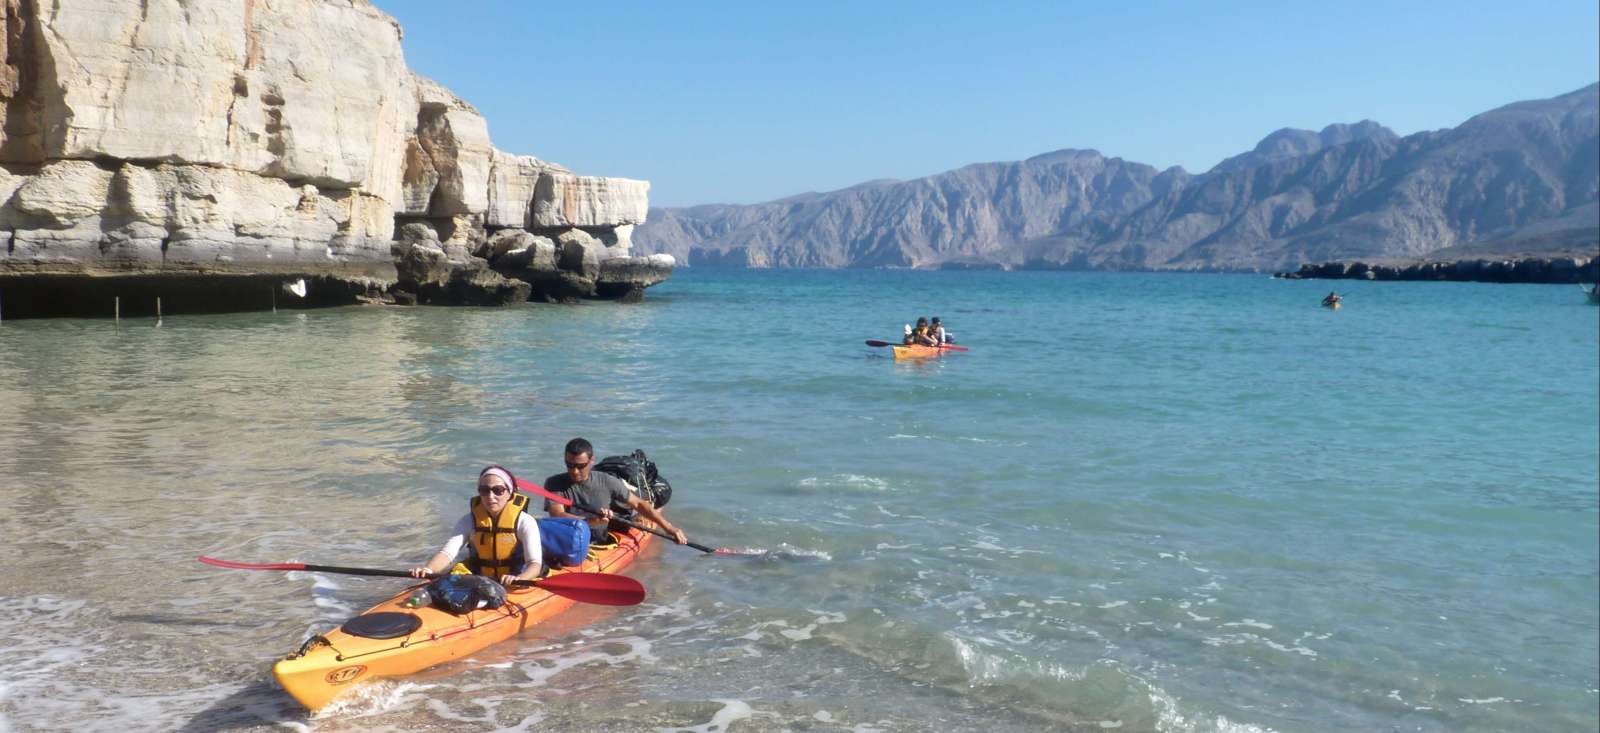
{"x":535,"y":488}
{"x":947,"y":347}
{"x":662,"y":533}
{"x":599,"y":588}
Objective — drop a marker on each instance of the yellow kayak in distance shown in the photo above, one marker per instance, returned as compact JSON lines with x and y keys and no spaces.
{"x":917,"y":352}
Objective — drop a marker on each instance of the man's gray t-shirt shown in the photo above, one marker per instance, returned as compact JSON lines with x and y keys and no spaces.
{"x":599,"y":490}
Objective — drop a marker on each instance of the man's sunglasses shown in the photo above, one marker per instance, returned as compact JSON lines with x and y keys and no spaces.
{"x":496,"y":490}
{"x":572,"y":466}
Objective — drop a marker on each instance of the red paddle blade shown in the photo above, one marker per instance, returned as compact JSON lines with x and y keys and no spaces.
{"x":534,"y":488}
{"x":252,"y":565}
{"x":599,"y":588}
{"x":953,"y":347}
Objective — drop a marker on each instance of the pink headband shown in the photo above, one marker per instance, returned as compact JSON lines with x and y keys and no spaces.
{"x":502,"y":473}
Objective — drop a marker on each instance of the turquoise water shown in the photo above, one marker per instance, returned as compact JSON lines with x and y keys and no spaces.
{"x":1140,"y":502}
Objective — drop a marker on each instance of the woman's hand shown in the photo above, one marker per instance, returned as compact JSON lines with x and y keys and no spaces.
{"x":420,"y":572}
{"x":510,"y":580}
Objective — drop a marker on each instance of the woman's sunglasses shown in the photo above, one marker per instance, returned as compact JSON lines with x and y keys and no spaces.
{"x":496,"y":490}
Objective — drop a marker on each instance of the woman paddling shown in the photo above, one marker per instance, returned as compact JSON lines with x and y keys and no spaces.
{"x":504,"y":538}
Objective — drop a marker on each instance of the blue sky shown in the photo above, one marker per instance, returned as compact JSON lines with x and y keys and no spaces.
{"x":740,"y":102}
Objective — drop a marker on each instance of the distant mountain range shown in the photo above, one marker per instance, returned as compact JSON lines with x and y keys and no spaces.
{"x":1523,"y":178}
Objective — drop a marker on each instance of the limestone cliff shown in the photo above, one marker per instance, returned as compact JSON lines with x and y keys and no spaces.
{"x":217,"y":148}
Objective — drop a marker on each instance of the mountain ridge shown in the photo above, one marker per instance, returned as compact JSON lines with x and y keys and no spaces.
{"x":1350,"y":190}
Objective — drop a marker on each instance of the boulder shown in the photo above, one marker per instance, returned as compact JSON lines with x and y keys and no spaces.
{"x":522,"y":252}
{"x":580,"y":254}
{"x":428,"y":274}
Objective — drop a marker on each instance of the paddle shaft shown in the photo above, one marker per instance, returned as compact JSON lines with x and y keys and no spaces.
{"x":656,"y":532}
{"x":643,"y":527}
{"x":393,"y":573}
{"x":367,"y":571}
{"x":601,"y":588}
{"x":947,"y":347}
{"x":528,"y":485}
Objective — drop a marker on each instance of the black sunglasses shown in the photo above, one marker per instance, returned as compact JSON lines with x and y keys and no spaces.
{"x":571,"y":465}
{"x":496,"y":490}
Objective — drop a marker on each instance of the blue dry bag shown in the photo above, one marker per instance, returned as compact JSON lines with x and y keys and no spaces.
{"x":565,"y":541}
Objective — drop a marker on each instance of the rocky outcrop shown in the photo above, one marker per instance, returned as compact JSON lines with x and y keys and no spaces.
{"x":273,"y":141}
{"x":431,"y":271}
{"x":1561,"y":270}
{"x":625,"y":278}
{"x":1527,"y":174}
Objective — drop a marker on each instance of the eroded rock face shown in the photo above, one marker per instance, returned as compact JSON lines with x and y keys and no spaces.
{"x":567,"y":200}
{"x":259,"y":137}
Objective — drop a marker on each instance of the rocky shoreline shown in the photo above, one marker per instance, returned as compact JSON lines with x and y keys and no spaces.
{"x":1556,"y":270}
{"x":274,"y":154}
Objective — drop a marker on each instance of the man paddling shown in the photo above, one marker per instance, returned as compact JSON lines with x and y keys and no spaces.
{"x":502,"y":537}
{"x":921,"y":336}
{"x":601,"y":493}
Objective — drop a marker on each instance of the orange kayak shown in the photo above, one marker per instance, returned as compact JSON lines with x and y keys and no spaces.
{"x":419,"y":638}
{"x":916,"y":352}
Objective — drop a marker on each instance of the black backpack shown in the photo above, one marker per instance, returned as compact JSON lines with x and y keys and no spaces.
{"x":640,"y":473}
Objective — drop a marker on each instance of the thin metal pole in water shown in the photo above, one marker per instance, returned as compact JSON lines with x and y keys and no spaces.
{"x":158,"y":311}
{"x":2,"y":306}
{"x":273,"y":289}
{"x":116,"y":312}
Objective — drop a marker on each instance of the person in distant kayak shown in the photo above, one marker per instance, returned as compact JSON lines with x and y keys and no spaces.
{"x":936,"y":329}
{"x":502,"y":537}
{"x":921,"y":335}
{"x":601,"y":493}
{"x":1332,"y":298}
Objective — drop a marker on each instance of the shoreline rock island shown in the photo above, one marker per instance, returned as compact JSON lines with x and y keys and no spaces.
{"x":1550,"y":270}
{"x":247,"y":155}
